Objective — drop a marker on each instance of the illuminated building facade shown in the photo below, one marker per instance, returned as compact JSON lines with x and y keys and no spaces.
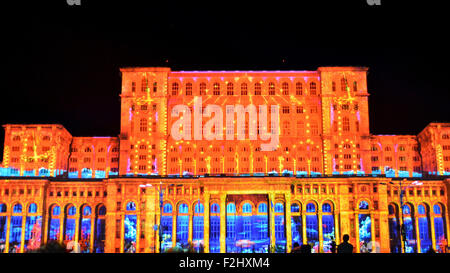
{"x":328,"y":176}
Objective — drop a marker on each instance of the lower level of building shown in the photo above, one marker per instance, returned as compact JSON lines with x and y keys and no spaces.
{"x":225,"y":214}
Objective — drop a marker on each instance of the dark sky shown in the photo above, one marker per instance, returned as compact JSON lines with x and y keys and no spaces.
{"x":60,"y":63}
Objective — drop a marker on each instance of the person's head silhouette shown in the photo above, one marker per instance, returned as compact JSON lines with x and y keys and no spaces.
{"x":346,"y":238}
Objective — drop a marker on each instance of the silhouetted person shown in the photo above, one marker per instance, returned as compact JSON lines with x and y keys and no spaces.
{"x":431,"y":250}
{"x":52,"y":247}
{"x":333,"y":247}
{"x":305,"y":248}
{"x":296,"y":248}
{"x":345,"y":247}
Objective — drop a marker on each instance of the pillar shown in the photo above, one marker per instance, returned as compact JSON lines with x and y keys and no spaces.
{"x":76,"y":236}
{"x":305,"y":240}
{"x":287,"y":208}
{"x":271,"y":222}
{"x":433,"y":235}
{"x":8,"y":227}
{"x":337,"y":238}
{"x":356,"y":219}
{"x":416,"y":223}
{"x":138,"y":229}
{"x":62,"y":216}
{"x":92,"y":236}
{"x":372,"y":226}
{"x":223,"y":223}
{"x":319,"y":221}
{"x":384,"y":232}
{"x":152,"y":218}
{"x":22,"y":237}
{"x":206,"y":223}
{"x":191,"y":223}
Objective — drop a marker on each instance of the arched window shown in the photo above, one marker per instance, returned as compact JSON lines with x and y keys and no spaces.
{"x":85,"y":227}
{"x":244,"y":89}
{"x":257,"y":89}
{"x":202,"y":88}
{"x":54,"y":223}
{"x":70,"y":219}
{"x":326,"y":207}
{"x":295,"y":207}
{"x":271,"y":88}
{"x":424,"y":228}
{"x":182,"y":224}
{"x":214,"y":229}
{"x":175,"y":88}
{"x":166,"y":226}
{"x":17,"y":208}
{"x":183,"y":208}
{"x":296,"y":224}
{"x":328,"y":232}
{"x":131,"y":206}
{"x":216,"y":89}
{"x":189,"y":89}
{"x":343,"y":84}
{"x":247,"y":208}
{"x":231,"y":208}
{"x":130,"y":228}
{"x":312,"y":227}
{"x":230,"y":91}
{"x":439,"y":228}
{"x":167,"y":208}
{"x":32,"y":208}
{"x":298,"y":88}
{"x":363,"y":205}
{"x":99,"y":238}
{"x":285,"y":87}
{"x":198,"y":223}
{"x":279,"y":207}
{"x":313,"y":88}
{"x":410,"y":230}
{"x":2,"y":208}
{"x":15,"y":233}
{"x":215,"y":208}
{"x":310,"y":207}
{"x":262,"y":208}
{"x":394,"y":230}
{"x":199,"y":209}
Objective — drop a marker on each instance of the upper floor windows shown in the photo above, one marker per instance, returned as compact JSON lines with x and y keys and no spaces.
{"x":257,"y":89}
{"x":202,"y":88}
{"x":285,"y":88}
{"x":313,"y":88}
{"x":216,"y":89}
{"x":271,"y":88}
{"x":244,"y":89}
{"x":230,"y":91}
{"x":175,"y":88}
{"x":189,"y":89}
{"x":298,"y":89}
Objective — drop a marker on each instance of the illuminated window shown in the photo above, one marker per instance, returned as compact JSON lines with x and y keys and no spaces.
{"x":346,"y":124}
{"x":230,"y":91}
{"x":312,"y":88}
{"x":175,"y":88}
{"x":271,"y":88}
{"x":257,"y":89}
{"x":343,"y":84}
{"x":285,"y":87}
{"x":216,"y":89}
{"x":333,"y":86}
{"x":243,"y":89}
{"x":144,"y":84}
{"x":202,"y":88}
{"x":298,"y":88}
{"x":189,"y":89}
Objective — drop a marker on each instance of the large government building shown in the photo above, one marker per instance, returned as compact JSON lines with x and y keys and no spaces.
{"x":150,"y":190}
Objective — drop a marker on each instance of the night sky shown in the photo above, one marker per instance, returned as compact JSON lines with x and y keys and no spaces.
{"x":60,"y":63}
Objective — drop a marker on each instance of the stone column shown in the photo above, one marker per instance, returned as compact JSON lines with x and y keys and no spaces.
{"x":319,"y":221}
{"x":92,"y":236}
{"x":337,"y":238}
{"x":358,"y":250}
{"x":223,"y":223}
{"x":206,"y":223}
{"x":372,"y":226}
{"x":288,"y":226}
{"x":122,"y":232}
{"x":138,"y":229}
{"x":76,"y":236}
{"x":22,"y":237}
{"x":8,"y":227}
{"x":271,"y":221}
{"x":191,"y":223}
{"x":384,"y":232}
{"x":152,"y":218}
{"x":305,"y":240}
{"x":416,"y":224}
